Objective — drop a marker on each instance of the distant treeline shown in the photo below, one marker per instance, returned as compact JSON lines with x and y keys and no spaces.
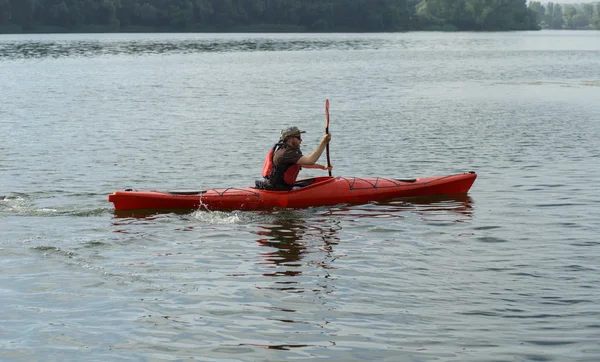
{"x":554,"y":16}
{"x":289,"y":15}
{"x":264,"y":15}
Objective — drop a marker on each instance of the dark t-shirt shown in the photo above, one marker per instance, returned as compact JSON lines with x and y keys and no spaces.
{"x":286,"y":156}
{"x":283,"y":158}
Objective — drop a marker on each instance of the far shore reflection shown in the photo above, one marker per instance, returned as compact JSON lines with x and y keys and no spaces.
{"x":126,"y":44}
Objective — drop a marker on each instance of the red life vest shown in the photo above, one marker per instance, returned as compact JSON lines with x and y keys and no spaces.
{"x":276,"y":175}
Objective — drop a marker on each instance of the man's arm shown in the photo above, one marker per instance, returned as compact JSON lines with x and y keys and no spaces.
{"x":311,"y":159}
{"x":316,"y":165}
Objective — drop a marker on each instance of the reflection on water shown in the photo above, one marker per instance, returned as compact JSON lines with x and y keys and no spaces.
{"x":289,"y":239}
{"x":146,"y":213}
{"x":286,"y":241}
{"x":454,"y":208}
{"x":87,"y":48}
{"x":282,"y":347}
{"x":302,"y":242}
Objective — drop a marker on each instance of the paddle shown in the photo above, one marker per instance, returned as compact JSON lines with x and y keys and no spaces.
{"x":327,"y":132}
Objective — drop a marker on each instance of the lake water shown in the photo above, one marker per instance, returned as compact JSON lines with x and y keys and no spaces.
{"x":509,"y":272}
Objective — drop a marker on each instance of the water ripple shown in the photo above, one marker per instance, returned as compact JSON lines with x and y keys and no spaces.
{"x":91,"y":48}
{"x":507,"y":272}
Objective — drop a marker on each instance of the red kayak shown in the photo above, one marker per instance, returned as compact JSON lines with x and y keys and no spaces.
{"x":318,"y":191}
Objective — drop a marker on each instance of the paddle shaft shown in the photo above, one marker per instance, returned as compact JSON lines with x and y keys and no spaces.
{"x":327,"y":132}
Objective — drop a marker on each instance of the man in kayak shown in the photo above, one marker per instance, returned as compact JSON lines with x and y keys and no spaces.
{"x":284,"y":161}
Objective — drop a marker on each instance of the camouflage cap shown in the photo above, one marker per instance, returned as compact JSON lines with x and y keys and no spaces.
{"x":290,"y":131}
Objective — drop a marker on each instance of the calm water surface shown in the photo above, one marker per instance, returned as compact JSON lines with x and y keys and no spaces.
{"x":509,"y":272}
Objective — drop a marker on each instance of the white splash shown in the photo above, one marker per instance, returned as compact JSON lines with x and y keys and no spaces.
{"x":217,"y":217}
{"x":22,"y":206}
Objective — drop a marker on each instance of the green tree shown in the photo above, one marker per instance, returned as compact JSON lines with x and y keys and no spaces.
{"x":203,"y":11}
{"x":107,"y":13}
{"x":440,"y":11}
{"x":558,"y":19}
{"x":22,"y":12}
{"x":580,"y":21}
{"x":58,"y":14}
{"x":588,"y":10}
{"x":181,"y":13}
{"x":539,"y":10}
{"x":568,"y":15}
{"x":548,"y":14}
{"x":554,"y":16}
{"x":595,"y":20}
{"x":147,"y":14}
{"x":5,"y":14}
{"x":125,"y":12}
{"x":314,"y":15}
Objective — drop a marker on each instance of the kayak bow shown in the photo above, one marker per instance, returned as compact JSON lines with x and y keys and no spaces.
{"x":318,"y":191}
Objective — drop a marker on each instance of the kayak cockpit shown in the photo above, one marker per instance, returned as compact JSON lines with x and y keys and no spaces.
{"x":186,"y":192}
{"x":298,"y":185}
